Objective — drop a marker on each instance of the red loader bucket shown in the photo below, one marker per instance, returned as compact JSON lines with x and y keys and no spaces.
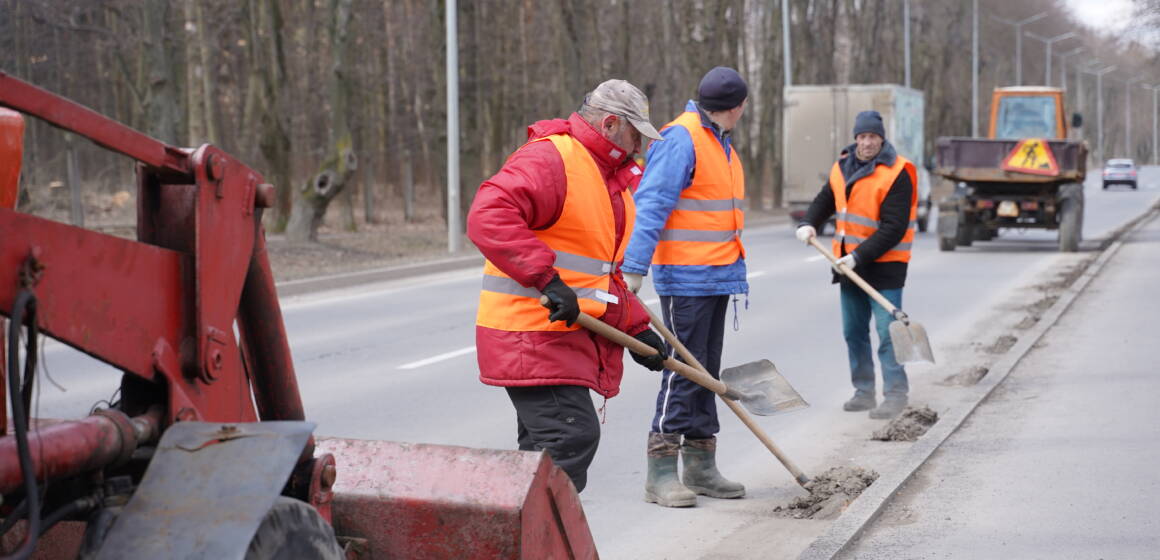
{"x":434,"y":501}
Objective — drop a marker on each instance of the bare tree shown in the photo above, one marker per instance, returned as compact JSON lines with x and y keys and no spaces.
{"x":340,"y":160}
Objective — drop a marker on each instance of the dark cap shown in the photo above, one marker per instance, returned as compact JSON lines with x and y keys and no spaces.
{"x":625,"y":100}
{"x":869,"y":121}
{"x":721,"y":89}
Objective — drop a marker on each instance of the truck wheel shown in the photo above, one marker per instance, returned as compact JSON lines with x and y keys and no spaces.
{"x":924,"y":215}
{"x":965,"y":233}
{"x":1069,"y":226}
{"x":946,"y":244}
{"x":294,"y":530}
{"x":1070,"y":218}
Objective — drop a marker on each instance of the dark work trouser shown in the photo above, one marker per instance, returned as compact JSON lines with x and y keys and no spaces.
{"x":561,"y":420}
{"x":683,"y":407}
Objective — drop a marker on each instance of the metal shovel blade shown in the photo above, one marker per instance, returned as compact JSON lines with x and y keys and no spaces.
{"x":762,"y":388}
{"x":911,"y":344}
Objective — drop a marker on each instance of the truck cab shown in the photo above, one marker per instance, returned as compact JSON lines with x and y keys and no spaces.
{"x":1027,"y":112}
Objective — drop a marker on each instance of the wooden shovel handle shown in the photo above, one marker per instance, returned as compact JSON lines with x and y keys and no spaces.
{"x":744,"y":416}
{"x":620,"y":337}
{"x":849,"y":273}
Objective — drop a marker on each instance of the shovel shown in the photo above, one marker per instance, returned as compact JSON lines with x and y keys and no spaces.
{"x":760,"y":387}
{"x":908,"y":337}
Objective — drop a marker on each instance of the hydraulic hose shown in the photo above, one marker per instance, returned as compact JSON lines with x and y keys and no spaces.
{"x":24,"y":304}
{"x":74,"y":507}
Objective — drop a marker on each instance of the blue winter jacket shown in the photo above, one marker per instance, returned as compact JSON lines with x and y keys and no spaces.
{"x":668,"y":170}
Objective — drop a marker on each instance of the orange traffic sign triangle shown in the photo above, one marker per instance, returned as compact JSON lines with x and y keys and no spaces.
{"x":1032,"y":155}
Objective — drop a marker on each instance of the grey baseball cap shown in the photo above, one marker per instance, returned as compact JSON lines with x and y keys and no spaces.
{"x":624,"y":100}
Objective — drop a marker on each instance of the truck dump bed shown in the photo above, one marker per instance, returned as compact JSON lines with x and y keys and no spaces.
{"x":981,"y":159}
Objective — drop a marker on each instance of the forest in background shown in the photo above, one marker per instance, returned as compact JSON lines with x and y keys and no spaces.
{"x":344,"y":101}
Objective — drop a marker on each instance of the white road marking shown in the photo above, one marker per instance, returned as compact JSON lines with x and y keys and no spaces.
{"x":439,"y":358}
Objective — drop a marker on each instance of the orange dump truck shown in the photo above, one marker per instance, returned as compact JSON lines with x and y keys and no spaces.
{"x":1026,"y":174}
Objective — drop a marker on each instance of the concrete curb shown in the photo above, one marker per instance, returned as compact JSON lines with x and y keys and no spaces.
{"x":866,"y":509}
{"x":349,"y":279}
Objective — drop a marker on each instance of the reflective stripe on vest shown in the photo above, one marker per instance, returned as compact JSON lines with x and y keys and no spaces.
{"x":705,"y":226}
{"x":584,"y":241}
{"x":858,"y":218}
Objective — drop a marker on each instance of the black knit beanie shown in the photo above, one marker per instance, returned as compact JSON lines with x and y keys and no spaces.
{"x":869,"y":121}
{"x":721,"y":89}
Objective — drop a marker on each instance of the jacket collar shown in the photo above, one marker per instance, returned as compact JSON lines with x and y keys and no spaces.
{"x":722,"y":137}
{"x":608,"y":156}
{"x":886,"y":157}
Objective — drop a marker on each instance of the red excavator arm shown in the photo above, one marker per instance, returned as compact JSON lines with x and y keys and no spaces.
{"x":11,"y":153}
{"x":208,"y":422}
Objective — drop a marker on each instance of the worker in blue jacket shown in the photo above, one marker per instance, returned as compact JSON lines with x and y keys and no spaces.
{"x":688,"y":230}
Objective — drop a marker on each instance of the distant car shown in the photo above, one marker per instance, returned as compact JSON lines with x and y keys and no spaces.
{"x":1120,"y":171}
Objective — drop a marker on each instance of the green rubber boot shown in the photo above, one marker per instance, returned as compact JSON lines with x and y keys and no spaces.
{"x":701,"y":474}
{"x":663,"y":487}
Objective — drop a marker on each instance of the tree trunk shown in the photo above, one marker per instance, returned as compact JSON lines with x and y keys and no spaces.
{"x":195,"y":100}
{"x":161,"y":107}
{"x":340,"y":162}
{"x":264,"y":103}
{"x":206,"y":84}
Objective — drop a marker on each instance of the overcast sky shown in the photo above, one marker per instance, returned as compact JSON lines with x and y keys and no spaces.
{"x":1105,"y":15}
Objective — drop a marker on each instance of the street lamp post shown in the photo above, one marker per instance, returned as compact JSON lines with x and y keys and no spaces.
{"x":787,"y":70}
{"x":975,"y":69}
{"x":1100,"y":109}
{"x":1019,"y":41}
{"x":1049,"y":41}
{"x":1063,"y":65}
{"x":1128,"y":116}
{"x":454,"y":238}
{"x":1155,"y":138}
{"x":906,"y":35}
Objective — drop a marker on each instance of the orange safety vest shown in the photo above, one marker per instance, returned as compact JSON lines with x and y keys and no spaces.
{"x":858,"y":217}
{"x":705,"y":227}
{"x":584,"y":239}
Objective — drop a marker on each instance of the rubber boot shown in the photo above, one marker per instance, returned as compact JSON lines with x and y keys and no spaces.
{"x":663,"y":487}
{"x":701,"y":474}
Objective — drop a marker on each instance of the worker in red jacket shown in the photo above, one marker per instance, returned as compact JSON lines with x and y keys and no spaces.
{"x":554,"y":222}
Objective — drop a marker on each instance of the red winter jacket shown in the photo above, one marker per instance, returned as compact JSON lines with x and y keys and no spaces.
{"x":528,"y":194}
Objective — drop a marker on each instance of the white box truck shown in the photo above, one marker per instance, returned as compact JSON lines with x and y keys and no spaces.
{"x":818,"y":121}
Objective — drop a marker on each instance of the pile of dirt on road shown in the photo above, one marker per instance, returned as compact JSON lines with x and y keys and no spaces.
{"x":908,"y":426}
{"x":1002,"y":344}
{"x":829,"y":493}
{"x":967,"y":377}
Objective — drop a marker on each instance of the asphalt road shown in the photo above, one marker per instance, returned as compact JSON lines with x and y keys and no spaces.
{"x":396,"y":361}
{"x":1060,"y":461}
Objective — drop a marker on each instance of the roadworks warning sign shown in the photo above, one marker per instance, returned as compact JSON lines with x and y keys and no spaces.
{"x":1032,"y":155}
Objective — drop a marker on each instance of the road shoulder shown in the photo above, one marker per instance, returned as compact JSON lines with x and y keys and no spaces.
{"x":840,"y":535}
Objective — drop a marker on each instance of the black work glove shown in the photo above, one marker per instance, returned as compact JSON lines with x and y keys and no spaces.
{"x":562,"y":304}
{"x":655,"y":362}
